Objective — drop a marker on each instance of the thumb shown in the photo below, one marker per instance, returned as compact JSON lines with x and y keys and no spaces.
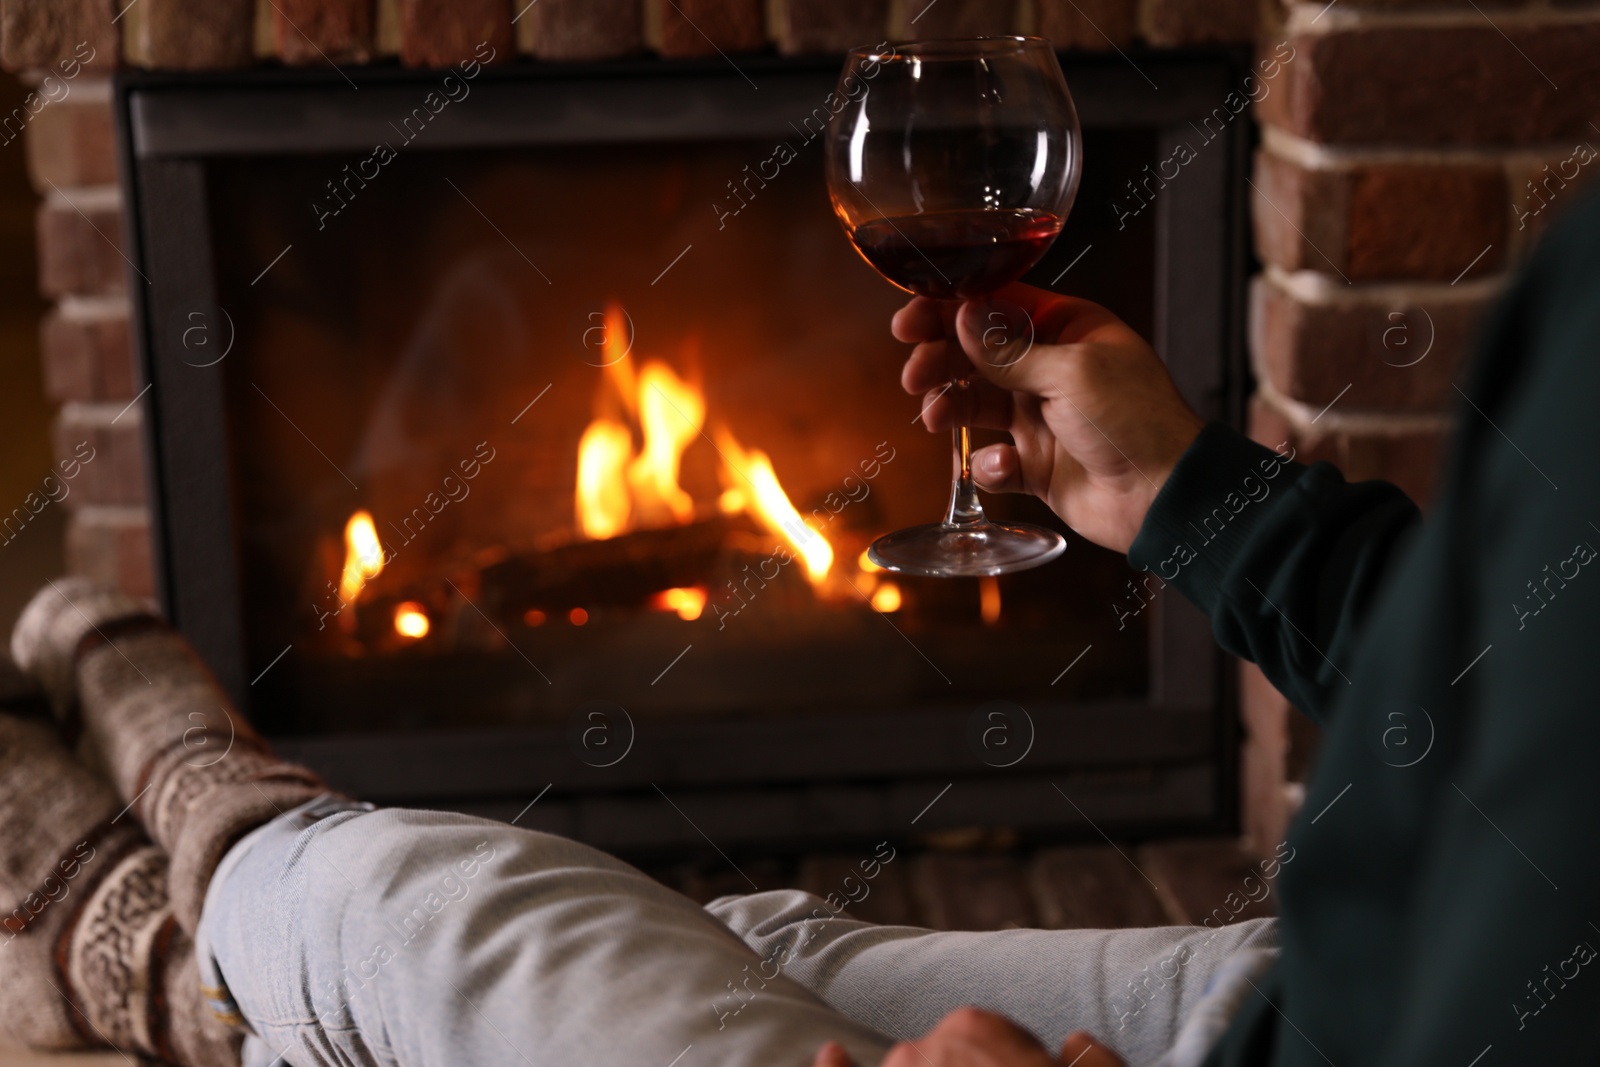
{"x":998,"y":469}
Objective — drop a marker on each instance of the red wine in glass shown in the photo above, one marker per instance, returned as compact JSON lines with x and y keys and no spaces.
{"x":956,"y":254}
{"x":951,"y":166}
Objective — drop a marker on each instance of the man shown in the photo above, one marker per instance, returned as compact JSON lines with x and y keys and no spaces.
{"x":1440,"y":909}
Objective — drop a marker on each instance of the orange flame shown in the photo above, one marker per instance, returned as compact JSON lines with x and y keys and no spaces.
{"x":603,"y":501}
{"x":671,"y":413}
{"x":753,"y":475}
{"x":618,"y":487}
{"x":621,"y":487}
{"x":363,"y":556}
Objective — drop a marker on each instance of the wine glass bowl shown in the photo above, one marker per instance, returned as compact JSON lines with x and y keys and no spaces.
{"x":951,"y":165}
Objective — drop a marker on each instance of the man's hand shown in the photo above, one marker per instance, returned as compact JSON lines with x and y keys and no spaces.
{"x":1097,"y":421}
{"x":968,"y":1037}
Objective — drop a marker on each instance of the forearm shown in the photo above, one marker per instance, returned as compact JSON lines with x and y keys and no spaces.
{"x":1284,"y":558}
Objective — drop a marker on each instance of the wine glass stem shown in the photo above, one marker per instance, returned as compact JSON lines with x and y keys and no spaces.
{"x":964,"y":509}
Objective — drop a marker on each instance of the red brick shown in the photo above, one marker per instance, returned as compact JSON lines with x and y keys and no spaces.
{"x":80,"y":242}
{"x":800,"y":26}
{"x":684,"y":28}
{"x":189,"y":34}
{"x":440,"y":35}
{"x":40,"y":34}
{"x":87,"y":347}
{"x":1381,"y":220}
{"x":1420,"y":221}
{"x":922,"y":19}
{"x":959,"y":891}
{"x":71,"y":142}
{"x":581,"y":29}
{"x":1406,"y":452}
{"x":1300,"y":215}
{"x":1177,"y":23}
{"x":1391,"y":353}
{"x":1445,"y":85}
{"x":109,"y":442}
{"x":320,"y":31}
{"x":1089,"y":25}
{"x":1542,"y":189}
{"x":112,"y":546}
{"x":1409,"y":459}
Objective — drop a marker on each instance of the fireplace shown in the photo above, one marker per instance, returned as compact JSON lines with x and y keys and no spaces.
{"x":517,"y":433}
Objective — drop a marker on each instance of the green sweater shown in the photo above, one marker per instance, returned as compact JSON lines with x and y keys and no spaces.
{"x":1443,"y":903}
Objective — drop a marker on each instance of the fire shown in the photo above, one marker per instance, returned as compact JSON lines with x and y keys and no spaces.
{"x":769,"y":503}
{"x":671,"y":413}
{"x":363,"y":556}
{"x":603,"y":501}
{"x":621,"y":486}
{"x":631,"y":454}
{"x":410,"y":620}
{"x":688,"y":603}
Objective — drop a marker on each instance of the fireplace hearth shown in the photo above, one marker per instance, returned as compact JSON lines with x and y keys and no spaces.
{"x":530,"y":438}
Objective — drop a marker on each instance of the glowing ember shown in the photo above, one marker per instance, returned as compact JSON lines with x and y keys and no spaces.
{"x":410,"y":620}
{"x":363,"y":556}
{"x":534,"y":617}
{"x":989,"y":599}
{"x":753,"y":472}
{"x":886,"y":598}
{"x":577,"y":616}
{"x":864,"y":561}
{"x":688,"y":603}
{"x":603,"y":503}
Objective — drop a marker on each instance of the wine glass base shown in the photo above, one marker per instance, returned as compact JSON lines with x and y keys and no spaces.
{"x":936,"y":550}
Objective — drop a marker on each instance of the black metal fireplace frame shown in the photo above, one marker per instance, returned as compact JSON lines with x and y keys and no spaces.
{"x":1162,"y":764}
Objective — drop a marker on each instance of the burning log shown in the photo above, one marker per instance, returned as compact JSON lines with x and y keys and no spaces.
{"x":621,"y":571}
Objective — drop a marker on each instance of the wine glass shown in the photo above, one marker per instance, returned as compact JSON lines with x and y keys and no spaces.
{"x":952,"y":165}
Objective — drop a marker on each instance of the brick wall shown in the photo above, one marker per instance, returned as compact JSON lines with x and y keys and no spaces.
{"x":1410,"y":154}
{"x":1411,"y":157}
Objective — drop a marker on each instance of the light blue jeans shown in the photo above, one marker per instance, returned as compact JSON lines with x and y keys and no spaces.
{"x":344,"y":935}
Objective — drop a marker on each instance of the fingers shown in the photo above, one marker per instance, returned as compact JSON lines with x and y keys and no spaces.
{"x":969,"y":1037}
{"x":932,"y":364}
{"x":998,"y":469}
{"x":1006,"y":336}
{"x":832,"y":1055}
{"x":920,"y":320}
{"x":1081,"y":1050}
{"x":977,"y":403}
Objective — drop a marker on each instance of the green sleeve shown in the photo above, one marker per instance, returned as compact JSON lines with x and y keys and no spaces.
{"x":1284,"y":558}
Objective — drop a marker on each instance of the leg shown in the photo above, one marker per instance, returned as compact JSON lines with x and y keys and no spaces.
{"x":193,"y":770}
{"x":1131,"y":988}
{"x":89,"y":953}
{"x":423,"y":938}
{"x":362,"y":937}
